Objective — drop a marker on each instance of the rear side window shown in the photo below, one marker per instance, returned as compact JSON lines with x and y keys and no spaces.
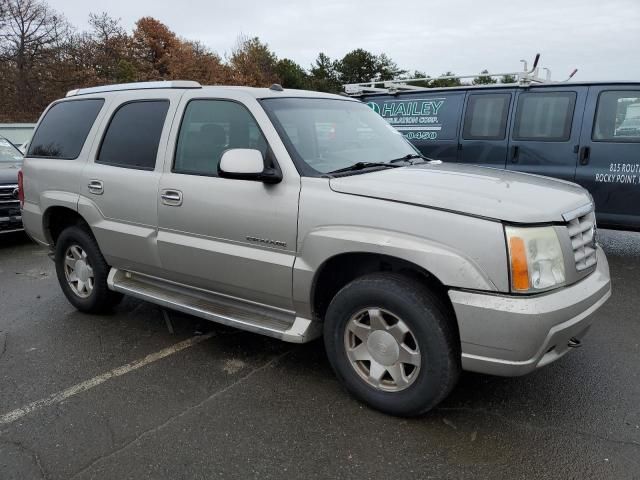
{"x":133,"y":135}
{"x":544,"y":116}
{"x":209,"y":127}
{"x":64,"y":129}
{"x":618,"y":117}
{"x":486,"y":117}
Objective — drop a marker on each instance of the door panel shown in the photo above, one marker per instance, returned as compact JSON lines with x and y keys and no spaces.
{"x":484,"y":132}
{"x":545,"y":131}
{"x":205,"y":240}
{"x":609,"y":165}
{"x":235,"y":237}
{"x":119,"y":188}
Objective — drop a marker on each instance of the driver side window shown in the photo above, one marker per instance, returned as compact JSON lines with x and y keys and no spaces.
{"x":208,"y":129}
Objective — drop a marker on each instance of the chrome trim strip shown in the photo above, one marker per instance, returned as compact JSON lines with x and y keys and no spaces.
{"x":578,"y":212}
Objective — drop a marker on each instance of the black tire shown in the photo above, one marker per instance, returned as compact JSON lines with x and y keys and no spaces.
{"x":101,"y":299}
{"x":432,"y":325}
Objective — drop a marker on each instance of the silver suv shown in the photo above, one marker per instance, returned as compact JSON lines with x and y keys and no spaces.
{"x":299,"y":214}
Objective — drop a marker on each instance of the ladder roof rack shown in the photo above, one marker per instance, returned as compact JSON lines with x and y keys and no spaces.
{"x":134,"y":86}
{"x":523,"y":77}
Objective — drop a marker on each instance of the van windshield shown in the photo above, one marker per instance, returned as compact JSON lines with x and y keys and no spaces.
{"x":9,"y":153}
{"x":328,"y":135}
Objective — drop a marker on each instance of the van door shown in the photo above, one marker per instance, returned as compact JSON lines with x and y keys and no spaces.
{"x":609,"y":156}
{"x":428,"y":120}
{"x":484,"y":131}
{"x":119,"y":188}
{"x":230,"y":236}
{"x":545,"y":131}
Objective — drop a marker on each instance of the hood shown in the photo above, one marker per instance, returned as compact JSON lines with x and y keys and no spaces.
{"x":479,"y":191}
{"x":9,"y":172}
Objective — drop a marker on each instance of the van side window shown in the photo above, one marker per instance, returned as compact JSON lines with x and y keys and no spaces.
{"x":618,"y":117}
{"x":486,"y":117}
{"x":64,"y":129}
{"x":544,"y":116}
{"x":209,"y":127}
{"x":133,"y":135}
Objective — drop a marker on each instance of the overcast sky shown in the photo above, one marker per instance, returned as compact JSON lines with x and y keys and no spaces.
{"x":601,"y":38}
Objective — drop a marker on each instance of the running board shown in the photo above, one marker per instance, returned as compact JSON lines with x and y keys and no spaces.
{"x":257,"y":318}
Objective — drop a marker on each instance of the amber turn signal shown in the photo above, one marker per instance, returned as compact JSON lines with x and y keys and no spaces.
{"x":519,"y":269}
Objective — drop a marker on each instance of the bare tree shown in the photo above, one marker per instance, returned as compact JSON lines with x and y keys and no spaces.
{"x":28,"y":33}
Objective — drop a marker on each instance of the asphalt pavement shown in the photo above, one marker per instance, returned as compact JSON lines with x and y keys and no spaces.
{"x":118,"y":396}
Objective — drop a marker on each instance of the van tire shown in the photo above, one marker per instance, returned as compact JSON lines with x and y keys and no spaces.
{"x":431,"y":326}
{"x":77,"y":241}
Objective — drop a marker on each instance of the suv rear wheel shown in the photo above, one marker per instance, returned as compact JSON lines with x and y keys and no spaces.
{"x":392,"y":343}
{"x":82,"y":271}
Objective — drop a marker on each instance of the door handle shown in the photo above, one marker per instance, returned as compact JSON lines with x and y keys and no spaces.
{"x":515,"y":151}
{"x":583,"y":156}
{"x":96,"y":187}
{"x":172,"y":198}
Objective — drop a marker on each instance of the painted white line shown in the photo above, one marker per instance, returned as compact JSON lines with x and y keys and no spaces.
{"x":100,"y":379}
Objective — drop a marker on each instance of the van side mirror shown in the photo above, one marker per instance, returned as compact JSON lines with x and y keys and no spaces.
{"x":247,"y":164}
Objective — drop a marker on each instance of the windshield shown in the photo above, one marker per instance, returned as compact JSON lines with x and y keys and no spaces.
{"x":9,"y":153}
{"x":329,"y":135}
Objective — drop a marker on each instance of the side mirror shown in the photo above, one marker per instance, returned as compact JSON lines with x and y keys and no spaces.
{"x":247,"y":164}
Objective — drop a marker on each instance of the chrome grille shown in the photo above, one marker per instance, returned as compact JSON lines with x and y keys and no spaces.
{"x":582,"y":234}
{"x":7,"y":194}
{"x":10,"y":218}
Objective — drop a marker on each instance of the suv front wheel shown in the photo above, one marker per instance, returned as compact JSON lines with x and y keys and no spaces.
{"x":392,"y":343}
{"x":82,"y":271}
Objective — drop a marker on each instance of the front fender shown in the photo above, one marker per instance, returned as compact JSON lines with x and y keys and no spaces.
{"x":451,"y":267}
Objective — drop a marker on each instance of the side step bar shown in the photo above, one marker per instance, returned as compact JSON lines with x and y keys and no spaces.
{"x":223,"y":309}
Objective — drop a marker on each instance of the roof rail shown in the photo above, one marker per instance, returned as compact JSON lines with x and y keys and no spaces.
{"x":134,"y":86}
{"x":523,"y":77}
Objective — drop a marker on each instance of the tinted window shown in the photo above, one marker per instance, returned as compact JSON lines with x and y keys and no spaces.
{"x":618,"y":117}
{"x":209,"y":127}
{"x":428,"y":117}
{"x":133,"y":135}
{"x":64,"y":129}
{"x":544,"y":116}
{"x":486,"y":117}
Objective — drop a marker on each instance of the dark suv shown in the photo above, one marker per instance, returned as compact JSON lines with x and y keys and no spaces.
{"x":10,"y":163}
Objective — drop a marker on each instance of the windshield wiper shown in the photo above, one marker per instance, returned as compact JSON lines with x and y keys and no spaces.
{"x":409,"y":156}
{"x":362,"y":165}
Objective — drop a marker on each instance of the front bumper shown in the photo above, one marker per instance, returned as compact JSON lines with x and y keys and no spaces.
{"x":513,"y":335}
{"x":10,"y":220}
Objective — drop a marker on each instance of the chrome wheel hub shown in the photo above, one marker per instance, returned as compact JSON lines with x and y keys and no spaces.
{"x":382,"y":349}
{"x":78,"y":271}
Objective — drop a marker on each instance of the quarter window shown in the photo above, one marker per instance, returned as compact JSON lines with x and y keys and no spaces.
{"x":544,"y":116}
{"x":618,"y":117}
{"x":64,"y":129}
{"x":210,"y":127}
{"x":486,"y":117}
{"x":133,"y":135}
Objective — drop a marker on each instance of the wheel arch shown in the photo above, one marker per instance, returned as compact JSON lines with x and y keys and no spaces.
{"x":339,"y":270}
{"x":56,"y":218}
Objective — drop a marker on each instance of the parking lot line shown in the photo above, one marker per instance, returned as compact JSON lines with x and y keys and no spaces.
{"x":62,"y":395}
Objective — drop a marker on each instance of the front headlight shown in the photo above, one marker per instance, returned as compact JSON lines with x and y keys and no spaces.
{"x":535,"y":259}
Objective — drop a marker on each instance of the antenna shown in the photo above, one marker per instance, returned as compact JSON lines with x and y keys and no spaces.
{"x":575,"y":70}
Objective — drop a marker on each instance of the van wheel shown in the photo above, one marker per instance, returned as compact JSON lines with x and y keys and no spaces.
{"x":392,"y":343}
{"x":82,"y":271}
